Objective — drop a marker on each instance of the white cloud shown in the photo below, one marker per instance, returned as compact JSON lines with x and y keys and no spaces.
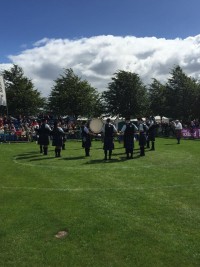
{"x":98,"y":58}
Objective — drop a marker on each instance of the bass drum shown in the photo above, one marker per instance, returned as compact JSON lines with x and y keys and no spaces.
{"x":96,"y":125}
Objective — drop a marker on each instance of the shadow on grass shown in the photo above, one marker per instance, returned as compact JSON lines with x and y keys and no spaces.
{"x":43,"y":158}
{"x":29,"y":153}
{"x":73,"y":158}
{"x":129,"y":159}
{"x":66,"y":148}
{"x":27,"y":157}
{"x":112,"y":160}
{"x":33,"y":156}
{"x":96,"y":161}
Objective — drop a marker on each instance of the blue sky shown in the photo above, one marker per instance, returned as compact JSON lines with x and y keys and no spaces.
{"x":24,"y":23}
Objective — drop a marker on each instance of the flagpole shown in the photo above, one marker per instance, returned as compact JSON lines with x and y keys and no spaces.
{"x":3,"y":100}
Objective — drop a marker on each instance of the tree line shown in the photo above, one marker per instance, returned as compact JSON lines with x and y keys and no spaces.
{"x":125,"y":95}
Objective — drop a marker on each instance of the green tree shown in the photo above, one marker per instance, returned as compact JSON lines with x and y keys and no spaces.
{"x":180,"y":95}
{"x":126,"y":95}
{"x":72,"y":96}
{"x":196,"y":104}
{"x":157,"y":98}
{"x":22,"y":98}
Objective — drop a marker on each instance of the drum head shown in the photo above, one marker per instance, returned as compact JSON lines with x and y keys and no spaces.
{"x":96,"y":125}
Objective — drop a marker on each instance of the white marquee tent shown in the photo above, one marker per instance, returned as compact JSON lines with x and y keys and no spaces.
{"x":164,"y":119}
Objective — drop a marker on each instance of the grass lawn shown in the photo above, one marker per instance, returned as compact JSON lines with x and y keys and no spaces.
{"x":139,"y":212}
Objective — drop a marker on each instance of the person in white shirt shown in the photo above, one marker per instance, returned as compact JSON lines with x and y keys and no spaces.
{"x":178,"y":129}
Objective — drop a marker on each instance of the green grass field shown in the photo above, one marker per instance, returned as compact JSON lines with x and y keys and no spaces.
{"x":139,"y":212}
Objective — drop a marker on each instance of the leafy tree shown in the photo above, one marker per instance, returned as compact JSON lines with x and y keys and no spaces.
{"x":157,"y":98}
{"x":196,"y":104}
{"x":126,"y":95}
{"x":22,"y":98}
{"x":73,"y":96}
{"x":180,"y":95}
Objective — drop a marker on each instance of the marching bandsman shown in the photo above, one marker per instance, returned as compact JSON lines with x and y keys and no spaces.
{"x":128,"y":131}
{"x":65,"y":129}
{"x":58,"y":135}
{"x":108,"y":131}
{"x":38,"y":136}
{"x":86,"y":138}
{"x":44,"y":135}
{"x":142,"y":128}
{"x":151,"y":133}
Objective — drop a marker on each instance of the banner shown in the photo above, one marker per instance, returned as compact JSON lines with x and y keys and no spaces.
{"x":193,"y":134}
{"x":2,"y":92}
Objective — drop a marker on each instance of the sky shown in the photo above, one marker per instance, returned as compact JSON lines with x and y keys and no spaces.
{"x":97,"y":38}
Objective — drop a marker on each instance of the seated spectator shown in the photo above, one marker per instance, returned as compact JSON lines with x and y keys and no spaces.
{"x":12,"y":129}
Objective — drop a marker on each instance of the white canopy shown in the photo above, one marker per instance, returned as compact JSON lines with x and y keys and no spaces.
{"x":164,"y":119}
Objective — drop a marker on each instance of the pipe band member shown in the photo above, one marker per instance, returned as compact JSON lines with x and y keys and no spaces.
{"x":129,"y":130}
{"x":142,"y":128}
{"x":44,"y":133}
{"x":108,"y":131}
{"x":86,"y":138}
{"x":58,"y":135}
{"x":38,"y":135}
{"x":151,"y":132}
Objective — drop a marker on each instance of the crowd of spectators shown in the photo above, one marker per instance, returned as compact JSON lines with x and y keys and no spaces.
{"x":168,"y":129}
{"x":23,"y":128}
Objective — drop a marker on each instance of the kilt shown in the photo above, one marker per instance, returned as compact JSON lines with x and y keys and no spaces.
{"x":44,"y":139}
{"x":142,"y":139}
{"x":86,"y":141}
{"x":151,"y":135}
{"x":108,"y":143}
{"x":57,"y":141}
{"x":178,"y":133}
{"x":129,"y":142}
